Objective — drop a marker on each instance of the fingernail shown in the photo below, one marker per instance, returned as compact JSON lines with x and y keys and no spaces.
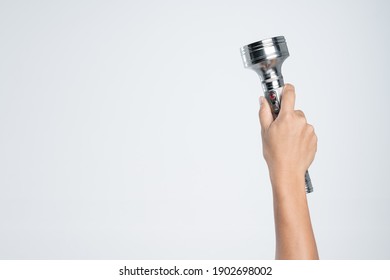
{"x":261,"y":100}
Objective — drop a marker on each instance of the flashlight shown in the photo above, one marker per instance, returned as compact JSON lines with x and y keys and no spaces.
{"x":266,"y":57}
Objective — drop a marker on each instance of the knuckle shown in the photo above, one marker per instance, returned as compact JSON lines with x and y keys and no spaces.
{"x":302,"y":121}
{"x":300,"y":113}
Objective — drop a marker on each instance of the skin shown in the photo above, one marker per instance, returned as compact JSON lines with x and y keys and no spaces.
{"x":289,"y":147}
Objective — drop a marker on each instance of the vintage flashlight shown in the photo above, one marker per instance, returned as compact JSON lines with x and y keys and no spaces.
{"x":265,"y":57}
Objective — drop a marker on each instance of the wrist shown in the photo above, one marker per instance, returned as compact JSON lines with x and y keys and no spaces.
{"x":287,"y":182}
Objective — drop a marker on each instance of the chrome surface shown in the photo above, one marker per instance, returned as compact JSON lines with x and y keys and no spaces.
{"x":266,"y":57}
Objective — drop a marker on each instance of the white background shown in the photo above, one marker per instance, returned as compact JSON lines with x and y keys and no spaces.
{"x":129,"y":129}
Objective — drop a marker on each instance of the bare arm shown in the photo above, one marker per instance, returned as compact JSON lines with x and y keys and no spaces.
{"x":289,"y":147}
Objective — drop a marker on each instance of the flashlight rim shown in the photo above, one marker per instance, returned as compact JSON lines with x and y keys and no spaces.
{"x":265,"y":49}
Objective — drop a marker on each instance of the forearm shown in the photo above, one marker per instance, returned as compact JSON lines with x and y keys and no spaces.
{"x":294,"y":233}
{"x":289,"y":147}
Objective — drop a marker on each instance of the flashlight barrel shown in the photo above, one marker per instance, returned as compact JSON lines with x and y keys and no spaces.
{"x":308,"y":185}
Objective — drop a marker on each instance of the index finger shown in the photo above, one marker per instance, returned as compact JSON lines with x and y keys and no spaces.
{"x":288,"y":99}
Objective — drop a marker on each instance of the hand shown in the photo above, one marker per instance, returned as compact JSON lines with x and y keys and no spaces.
{"x":289,"y":142}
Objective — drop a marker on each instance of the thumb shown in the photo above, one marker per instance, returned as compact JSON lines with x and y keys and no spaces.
{"x":265,"y":114}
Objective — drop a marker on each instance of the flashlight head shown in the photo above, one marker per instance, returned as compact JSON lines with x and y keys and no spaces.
{"x":266,"y":57}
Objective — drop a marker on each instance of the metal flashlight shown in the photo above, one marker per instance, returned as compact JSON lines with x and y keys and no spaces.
{"x":266,"y":57}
